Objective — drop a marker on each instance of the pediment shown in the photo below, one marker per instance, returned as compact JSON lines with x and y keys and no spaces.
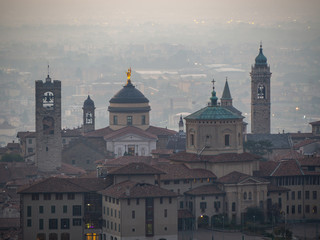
{"x":249,"y":181}
{"x":131,"y":137}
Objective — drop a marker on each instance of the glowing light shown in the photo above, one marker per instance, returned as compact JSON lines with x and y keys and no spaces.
{"x":297,"y":108}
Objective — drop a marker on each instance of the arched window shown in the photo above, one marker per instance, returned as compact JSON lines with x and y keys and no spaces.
{"x":89,"y":118}
{"x":65,"y":236}
{"x":261,"y":92}
{"x":227,"y":140}
{"x":53,"y":236}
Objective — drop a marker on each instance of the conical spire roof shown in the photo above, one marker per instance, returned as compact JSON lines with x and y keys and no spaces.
{"x":226,"y":91}
{"x":88,"y":102}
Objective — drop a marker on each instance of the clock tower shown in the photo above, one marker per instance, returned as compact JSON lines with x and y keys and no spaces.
{"x":48,"y":124}
{"x":260,"y":95}
{"x":88,"y":115}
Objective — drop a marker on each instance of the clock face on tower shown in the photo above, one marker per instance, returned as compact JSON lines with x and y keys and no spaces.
{"x":88,"y":118}
{"x":48,"y":100}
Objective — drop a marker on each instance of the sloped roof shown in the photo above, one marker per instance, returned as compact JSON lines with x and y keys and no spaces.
{"x":206,"y":190}
{"x":129,"y":130}
{"x":237,"y":177}
{"x":309,"y":161}
{"x":22,"y":135}
{"x":274,"y":188}
{"x":71,"y":132}
{"x":316,"y":123}
{"x":279,"y":141}
{"x":159,"y":131}
{"x":130,"y":189}
{"x":226,"y":92}
{"x":266,"y":168}
{"x":129,"y":94}
{"x":99,"y":132}
{"x":136,"y":168}
{"x":224,"y":157}
{"x":287,"y":168}
{"x":66,"y":185}
{"x":181,"y":171}
{"x":71,"y":170}
{"x":304,"y":143}
{"x":213,"y":113}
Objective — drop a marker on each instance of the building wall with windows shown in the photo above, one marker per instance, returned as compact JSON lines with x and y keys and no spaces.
{"x":58,"y":214}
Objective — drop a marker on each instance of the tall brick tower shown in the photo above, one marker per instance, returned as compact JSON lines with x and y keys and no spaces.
{"x":260,"y":95}
{"x":88,"y":115}
{"x":48,"y":125}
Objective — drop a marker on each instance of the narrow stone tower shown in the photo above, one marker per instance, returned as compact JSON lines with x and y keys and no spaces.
{"x":88,"y":115}
{"x":48,"y":124}
{"x":260,"y":95}
{"x":181,"y":125}
{"x":226,"y":99}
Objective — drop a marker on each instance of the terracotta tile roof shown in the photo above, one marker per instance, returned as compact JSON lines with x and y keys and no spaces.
{"x":158,"y":131}
{"x":120,"y":161}
{"x":316,"y":123}
{"x":12,"y":146}
{"x":301,"y":135}
{"x":309,"y":161}
{"x":129,"y":130}
{"x":65,"y":185}
{"x":162,"y":151}
{"x":99,"y":132}
{"x":16,"y":170}
{"x":274,"y":188}
{"x":129,"y":189}
{"x":304,"y":143}
{"x":22,"y":135}
{"x":206,"y":190}
{"x":71,"y":170}
{"x":225,"y":157}
{"x":287,"y":168}
{"x":288,"y":155}
{"x":183,"y":213}
{"x":181,"y":171}
{"x":136,"y":169}
{"x":266,"y":168}
{"x":10,"y":222}
{"x":237,"y":177}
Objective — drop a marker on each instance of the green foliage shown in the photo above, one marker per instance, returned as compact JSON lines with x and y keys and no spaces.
{"x":11,"y":157}
{"x":261,"y":147}
{"x":283,"y":233}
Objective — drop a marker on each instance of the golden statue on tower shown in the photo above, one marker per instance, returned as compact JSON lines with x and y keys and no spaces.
{"x":128,"y":76}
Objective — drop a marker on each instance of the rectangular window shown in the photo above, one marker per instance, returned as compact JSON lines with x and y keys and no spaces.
{"x":176,"y":182}
{"x":29,"y":223}
{"x":35,"y":196}
{"x":287,"y":209}
{"x":40,"y":209}
{"x":299,"y":195}
{"x":107,"y":211}
{"x":40,"y":224}
{"x":293,"y":195}
{"x":137,"y":201}
{"x":71,"y":196}
{"x":192,"y":139}
{"x":53,"y":223}
{"x":293,"y":209}
{"x":111,"y":225}
{"x":227,"y":140}
{"x":65,"y":208}
{"x":307,"y":194}
{"x":166,"y":182}
{"x":76,"y":222}
{"x":133,"y":214}
{"x":76,"y":210}
{"x":181,"y":204}
{"x":143,"y":120}
{"x":111,"y":212}
{"x":314,"y":195}
{"x":203,"y":205}
{"x":65,"y":223}
{"x":29,"y":211}
{"x":128,"y":202}
{"x":170,"y":200}
{"x":30,"y":150}
{"x":129,"y":120}
{"x":165,"y":213}
{"x":53,"y":209}
{"x":59,"y":196}
{"x":30,"y":141}
{"x":233,"y":207}
{"x":299,"y":209}
{"x":115,"y":213}
{"x":115,"y":120}
{"x":46,"y":196}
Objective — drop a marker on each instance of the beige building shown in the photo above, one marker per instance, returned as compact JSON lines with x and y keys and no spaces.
{"x":62,"y":209}
{"x":134,"y":210}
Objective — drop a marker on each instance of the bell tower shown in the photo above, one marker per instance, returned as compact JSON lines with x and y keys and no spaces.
{"x":88,"y":115}
{"x":48,"y":124}
{"x":260,"y":95}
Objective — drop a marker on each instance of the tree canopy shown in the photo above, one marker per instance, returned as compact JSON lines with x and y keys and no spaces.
{"x":11,"y":157}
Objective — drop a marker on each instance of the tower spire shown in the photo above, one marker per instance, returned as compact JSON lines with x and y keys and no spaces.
{"x":213,"y":98}
{"x":48,"y":79}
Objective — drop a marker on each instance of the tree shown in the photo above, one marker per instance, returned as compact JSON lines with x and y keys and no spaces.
{"x":261,"y":147}
{"x":254,"y":214}
{"x":11,"y":157}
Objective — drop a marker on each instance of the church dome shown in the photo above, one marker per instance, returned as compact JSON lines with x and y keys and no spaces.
{"x":129,"y":94}
{"x":88,"y":102}
{"x":261,"y":60}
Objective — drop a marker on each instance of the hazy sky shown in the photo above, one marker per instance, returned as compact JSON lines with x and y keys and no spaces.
{"x":16,"y":12}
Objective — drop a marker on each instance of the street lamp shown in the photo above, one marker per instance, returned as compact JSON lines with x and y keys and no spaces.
{"x":254,"y":227}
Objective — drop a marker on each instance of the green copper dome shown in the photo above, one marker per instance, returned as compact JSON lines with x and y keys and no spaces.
{"x":261,"y":60}
{"x":213,"y":113}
